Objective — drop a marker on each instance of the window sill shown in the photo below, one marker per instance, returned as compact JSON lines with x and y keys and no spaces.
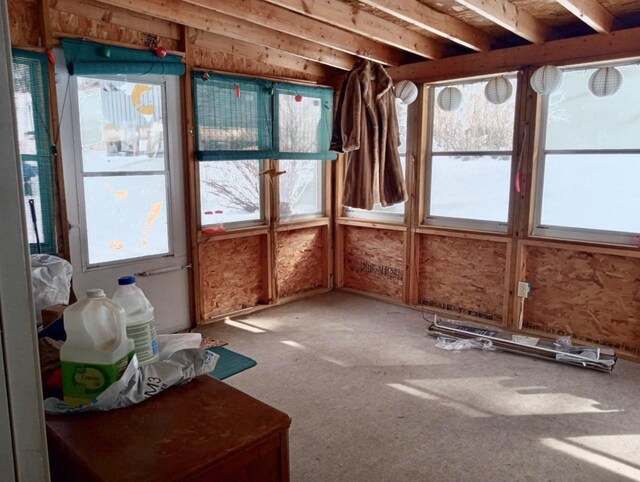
{"x":365,"y":223}
{"x":605,"y":247}
{"x":231,"y":232}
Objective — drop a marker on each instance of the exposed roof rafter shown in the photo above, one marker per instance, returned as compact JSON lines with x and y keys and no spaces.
{"x":363,"y":23}
{"x":292,"y":23}
{"x":511,"y":17}
{"x":202,"y":19}
{"x":218,"y":43}
{"x":426,"y":18}
{"x":591,"y":13}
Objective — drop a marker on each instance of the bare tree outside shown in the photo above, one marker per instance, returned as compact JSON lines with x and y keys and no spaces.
{"x":474,"y":127}
{"x":235,"y":185}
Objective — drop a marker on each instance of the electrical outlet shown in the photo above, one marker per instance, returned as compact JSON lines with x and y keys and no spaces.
{"x":524,"y":288}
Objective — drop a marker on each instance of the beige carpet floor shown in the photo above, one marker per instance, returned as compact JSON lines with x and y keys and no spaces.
{"x":373,"y":399}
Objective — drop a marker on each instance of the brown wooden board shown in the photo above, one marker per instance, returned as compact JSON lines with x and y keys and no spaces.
{"x":299,"y":258}
{"x":211,"y":59}
{"x":75,"y":25}
{"x":24,"y":23}
{"x":230,"y":275}
{"x":591,"y":296}
{"x":466,"y":276}
{"x":374,"y":261}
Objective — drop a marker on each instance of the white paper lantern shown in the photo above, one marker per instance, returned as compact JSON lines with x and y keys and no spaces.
{"x":406,"y":91}
{"x":498,"y":90}
{"x":605,"y":81}
{"x":546,"y":79}
{"x":449,"y":99}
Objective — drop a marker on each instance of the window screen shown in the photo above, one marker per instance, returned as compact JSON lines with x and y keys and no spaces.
{"x":30,"y":79}
{"x":304,"y":119}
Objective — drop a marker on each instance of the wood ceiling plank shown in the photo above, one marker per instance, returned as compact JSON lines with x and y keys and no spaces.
{"x":431,"y":20}
{"x":202,"y":19}
{"x":219,"y":43}
{"x":363,"y":23}
{"x":123,"y":18}
{"x":262,"y":13}
{"x":591,"y":13}
{"x":511,"y":17}
{"x":618,"y":45}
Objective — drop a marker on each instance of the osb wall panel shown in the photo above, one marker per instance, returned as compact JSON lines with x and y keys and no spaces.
{"x":463,"y":275}
{"x":24,"y":23}
{"x":208,"y":59}
{"x":72,"y":24}
{"x":373,"y":261}
{"x":230,"y":275}
{"x":591,"y":296}
{"x":299,"y":260}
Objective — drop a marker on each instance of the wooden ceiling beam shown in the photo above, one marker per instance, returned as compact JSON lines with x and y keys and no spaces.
{"x":511,"y":17}
{"x":291,"y":23}
{"x":591,"y":13}
{"x":124,"y":18}
{"x":267,"y":55}
{"x":200,"y":18}
{"x":618,"y":45}
{"x":363,"y":23}
{"x":431,"y":20}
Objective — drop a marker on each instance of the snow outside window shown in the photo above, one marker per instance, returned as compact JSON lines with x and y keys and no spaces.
{"x":232,"y":187}
{"x":589,"y":165}
{"x":124,"y":169}
{"x":470,"y":160}
{"x":301,"y":189}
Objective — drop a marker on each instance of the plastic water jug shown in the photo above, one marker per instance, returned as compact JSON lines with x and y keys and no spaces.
{"x":141,"y":326}
{"x":97,"y":350}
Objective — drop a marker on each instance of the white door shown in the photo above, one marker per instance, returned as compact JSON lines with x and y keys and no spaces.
{"x":124,"y":184}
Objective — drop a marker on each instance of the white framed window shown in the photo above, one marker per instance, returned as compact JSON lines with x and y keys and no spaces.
{"x":231,"y":193}
{"x":393,"y":213}
{"x":301,"y":189}
{"x":122,"y":168}
{"x":470,"y":160}
{"x":589,"y":161}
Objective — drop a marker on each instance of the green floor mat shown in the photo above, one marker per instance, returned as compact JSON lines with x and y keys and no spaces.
{"x":230,"y":363}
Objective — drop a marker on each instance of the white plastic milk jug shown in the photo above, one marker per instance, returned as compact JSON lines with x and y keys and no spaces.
{"x":97,"y":350}
{"x":141,"y":327}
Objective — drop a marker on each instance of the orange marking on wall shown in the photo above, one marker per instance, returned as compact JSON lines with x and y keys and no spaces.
{"x":153,"y":215}
{"x":116,"y":244}
{"x":122,"y":195}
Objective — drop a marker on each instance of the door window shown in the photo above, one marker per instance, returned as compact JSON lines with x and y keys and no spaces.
{"x":124,"y":168}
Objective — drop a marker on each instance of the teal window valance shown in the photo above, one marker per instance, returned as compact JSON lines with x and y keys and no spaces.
{"x":92,"y":58}
{"x":240,"y":118}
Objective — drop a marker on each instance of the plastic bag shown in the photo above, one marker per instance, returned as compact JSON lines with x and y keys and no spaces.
{"x":180,"y":361}
{"x":455,"y":344}
{"x":51,"y":281}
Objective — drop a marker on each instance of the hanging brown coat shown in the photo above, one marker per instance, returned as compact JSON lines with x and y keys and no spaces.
{"x":370,"y":136}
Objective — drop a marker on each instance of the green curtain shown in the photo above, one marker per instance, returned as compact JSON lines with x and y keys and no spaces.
{"x":31,"y":91}
{"x":233,"y":118}
{"x":303,"y":116}
{"x":92,"y":58}
{"x":241,"y":118}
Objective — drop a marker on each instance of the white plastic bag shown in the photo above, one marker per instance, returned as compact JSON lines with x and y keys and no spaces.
{"x":51,"y":281}
{"x":455,"y":344}
{"x":180,"y":361}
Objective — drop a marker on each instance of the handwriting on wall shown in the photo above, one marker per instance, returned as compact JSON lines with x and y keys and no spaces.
{"x":457,"y":309}
{"x":385,"y":271}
